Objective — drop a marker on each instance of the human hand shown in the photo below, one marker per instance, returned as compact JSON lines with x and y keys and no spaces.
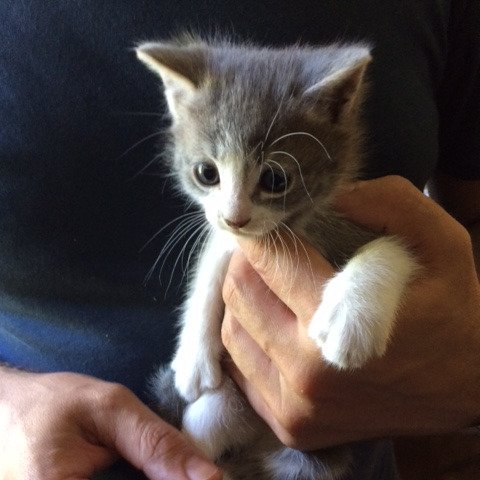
{"x":66,"y":426}
{"x":428,"y":381}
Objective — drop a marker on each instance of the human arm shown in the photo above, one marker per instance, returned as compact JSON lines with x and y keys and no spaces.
{"x":427,"y":382}
{"x":59,"y":426}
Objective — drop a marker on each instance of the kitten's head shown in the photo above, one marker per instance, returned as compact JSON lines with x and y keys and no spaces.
{"x":261,"y":134}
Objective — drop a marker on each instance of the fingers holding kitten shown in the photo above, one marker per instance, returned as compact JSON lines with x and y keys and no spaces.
{"x":292,"y":269}
{"x":273,"y":360}
{"x":258,"y":311}
{"x":268,"y":391}
{"x":416,"y":218}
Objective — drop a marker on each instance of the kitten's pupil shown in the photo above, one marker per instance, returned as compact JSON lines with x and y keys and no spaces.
{"x":206,"y":174}
{"x":273,"y":181}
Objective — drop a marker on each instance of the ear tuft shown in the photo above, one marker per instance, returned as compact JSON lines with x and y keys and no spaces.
{"x":181,"y":69}
{"x":177,"y":66}
{"x":342,"y":90}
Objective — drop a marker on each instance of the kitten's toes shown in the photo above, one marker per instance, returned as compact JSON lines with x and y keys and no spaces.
{"x":340,"y":327}
{"x":192,"y":378}
{"x":348,"y":348}
{"x":354,"y":321}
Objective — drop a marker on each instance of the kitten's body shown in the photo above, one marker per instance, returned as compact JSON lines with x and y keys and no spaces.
{"x":262,"y":139}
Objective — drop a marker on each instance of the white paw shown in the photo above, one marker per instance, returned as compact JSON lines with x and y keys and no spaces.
{"x":341,"y":329}
{"x":220,"y":421}
{"x":196,"y":372}
{"x":355,"y":319}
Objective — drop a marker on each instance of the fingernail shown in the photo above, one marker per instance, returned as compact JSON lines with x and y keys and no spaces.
{"x":199,"y":469}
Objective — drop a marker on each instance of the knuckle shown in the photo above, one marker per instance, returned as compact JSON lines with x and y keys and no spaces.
{"x":292,"y":430}
{"x":295,"y":417}
{"x":463,"y":238}
{"x":111,"y":396}
{"x":292,"y":423}
{"x":303,"y":377}
{"x":389,"y":186}
{"x":262,"y":260}
{"x":230,"y":290}
{"x":456,"y":242}
{"x":304,"y":385}
{"x":157,"y":442}
{"x":399,"y":183}
{"x":236,"y":288}
{"x":228,"y":332}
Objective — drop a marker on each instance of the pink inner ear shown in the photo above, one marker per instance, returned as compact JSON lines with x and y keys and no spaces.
{"x":177,"y":65}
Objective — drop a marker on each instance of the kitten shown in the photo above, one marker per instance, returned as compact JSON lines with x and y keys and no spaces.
{"x":262,"y":139}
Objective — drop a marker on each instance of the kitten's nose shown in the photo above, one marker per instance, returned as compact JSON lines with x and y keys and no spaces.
{"x":237,"y":223}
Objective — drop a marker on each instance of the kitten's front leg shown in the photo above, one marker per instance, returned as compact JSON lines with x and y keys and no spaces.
{"x":355,"y":318}
{"x":197,"y":360}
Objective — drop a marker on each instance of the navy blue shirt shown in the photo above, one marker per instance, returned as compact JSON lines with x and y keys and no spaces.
{"x":79,"y":123}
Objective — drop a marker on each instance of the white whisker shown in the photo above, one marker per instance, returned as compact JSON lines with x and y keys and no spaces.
{"x":285,"y":175}
{"x":182,"y":252}
{"x":135,"y":145}
{"x":201,"y":240}
{"x":307,"y":135}
{"x":142,"y":170}
{"x":273,"y":121}
{"x":299,"y":241}
{"x":277,"y":265}
{"x":176,"y":219}
{"x":178,"y":233}
{"x":259,"y":144}
{"x":292,"y":256}
{"x":187,"y":222}
{"x":299,"y":170}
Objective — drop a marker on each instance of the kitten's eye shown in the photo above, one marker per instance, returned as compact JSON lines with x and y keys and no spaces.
{"x":206,"y":174}
{"x":274,"y":180}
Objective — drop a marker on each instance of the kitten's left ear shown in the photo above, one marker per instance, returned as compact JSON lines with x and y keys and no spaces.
{"x":341,"y":92}
{"x":181,"y":69}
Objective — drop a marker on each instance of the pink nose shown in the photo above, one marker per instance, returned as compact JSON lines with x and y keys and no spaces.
{"x":237,"y":223}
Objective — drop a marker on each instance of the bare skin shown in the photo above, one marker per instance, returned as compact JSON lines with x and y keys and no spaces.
{"x":429,"y":379}
{"x":66,"y":426}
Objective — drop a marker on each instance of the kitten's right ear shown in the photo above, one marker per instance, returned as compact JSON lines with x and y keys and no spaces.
{"x":341,"y":91}
{"x":180,"y":68}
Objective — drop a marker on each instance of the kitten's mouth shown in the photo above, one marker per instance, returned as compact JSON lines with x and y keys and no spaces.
{"x":247,"y":231}
{"x":253,"y":228}
{"x":241,"y":232}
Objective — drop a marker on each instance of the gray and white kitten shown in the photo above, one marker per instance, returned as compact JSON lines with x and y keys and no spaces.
{"x":262,"y":139}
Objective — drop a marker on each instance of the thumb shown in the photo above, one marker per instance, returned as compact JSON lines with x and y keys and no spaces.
{"x":149,"y":443}
{"x":394,"y":206}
